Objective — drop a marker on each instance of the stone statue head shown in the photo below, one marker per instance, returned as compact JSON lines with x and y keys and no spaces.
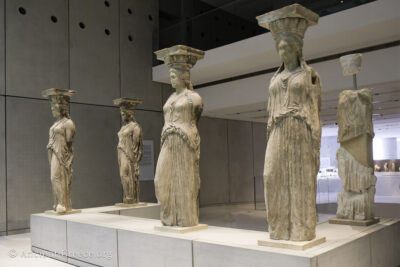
{"x":180,"y":78}
{"x":180,"y":59}
{"x":127,"y":115}
{"x":59,"y":110}
{"x":127,"y":107}
{"x":288,"y":47}
{"x":59,"y":99}
{"x":351,"y":64}
{"x":288,"y":26}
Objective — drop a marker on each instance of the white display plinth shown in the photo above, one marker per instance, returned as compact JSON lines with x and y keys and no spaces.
{"x":288,"y":244}
{"x":179,"y":229}
{"x":130,"y":205}
{"x":55,"y":213}
{"x":102,"y":237}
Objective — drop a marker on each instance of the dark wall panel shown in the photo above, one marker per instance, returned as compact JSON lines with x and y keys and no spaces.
{"x":259,"y":147}
{"x":240,"y":161}
{"x":214,"y":167}
{"x":96,"y":180}
{"x":138,"y":20}
{"x":28,"y":171}
{"x":2,"y":49}
{"x":37,"y":46}
{"x":94,"y":50}
{"x":3,"y":200}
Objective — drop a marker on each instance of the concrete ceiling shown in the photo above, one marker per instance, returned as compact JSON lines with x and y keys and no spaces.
{"x":364,"y":26}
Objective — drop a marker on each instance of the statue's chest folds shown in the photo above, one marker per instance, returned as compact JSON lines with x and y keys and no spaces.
{"x":124,"y":132}
{"x":175,"y":108}
{"x":297,"y":85}
{"x":57,"y":129}
{"x":292,"y":86}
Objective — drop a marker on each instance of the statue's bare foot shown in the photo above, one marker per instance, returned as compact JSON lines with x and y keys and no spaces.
{"x":60,"y":208}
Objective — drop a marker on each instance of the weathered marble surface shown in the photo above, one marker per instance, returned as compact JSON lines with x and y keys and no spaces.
{"x":358,"y":181}
{"x":354,"y":114}
{"x":355,"y":164}
{"x":293,"y":129}
{"x":351,"y":64}
{"x":130,"y":149}
{"x":177,"y":178}
{"x":60,"y":150}
{"x":386,"y":167}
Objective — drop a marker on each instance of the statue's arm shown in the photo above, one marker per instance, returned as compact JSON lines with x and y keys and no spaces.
{"x":269,"y":119}
{"x":49,"y":154}
{"x":315,"y":108}
{"x":197,"y":105}
{"x":138,"y":138}
{"x":69,"y":132}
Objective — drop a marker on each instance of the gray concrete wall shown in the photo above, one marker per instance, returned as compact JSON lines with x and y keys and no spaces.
{"x":96,"y":78}
{"x":232,"y":153}
{"x":2,"y":49}
{"x":95,"y":156}
{"x":241,"y":163}
{"x":214,"y":161}
{"x":64,"y":44}
{"x":3,"y":196}
{"x":259,"y":147}
{"x":42,"y":45}
{"x":36,"y":47}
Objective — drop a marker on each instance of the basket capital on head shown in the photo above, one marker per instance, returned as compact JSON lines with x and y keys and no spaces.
{"x":127,"y":103}
{"x":180,"y":56}
{"x":291,"y":20}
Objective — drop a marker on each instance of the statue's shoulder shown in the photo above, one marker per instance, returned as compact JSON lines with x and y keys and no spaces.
{"x":312,"y":71}
{"x":68,"y":123}
{"x":134,"y":126}
{"x":195,"y":97}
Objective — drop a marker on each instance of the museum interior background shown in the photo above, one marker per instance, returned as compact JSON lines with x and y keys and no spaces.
{"x":104,"y":50}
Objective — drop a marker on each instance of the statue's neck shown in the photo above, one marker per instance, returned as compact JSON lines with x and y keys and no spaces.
{"x":291,"y":66}
{"x":179,"y":90}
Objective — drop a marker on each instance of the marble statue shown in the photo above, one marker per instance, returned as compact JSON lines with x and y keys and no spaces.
{"x":392,"y":167}
{"x":386,"y":166}
{"x":130,"y":149}
{"x":177,"y":178}
{"x":378,"y":167}
{"x":60,"y":150}
{"x":355,"y":161}
{"x":293,"y":129}
{"x":351,"y":64}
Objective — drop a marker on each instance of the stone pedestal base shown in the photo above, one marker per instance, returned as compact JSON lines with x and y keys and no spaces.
{"x":295,"y":245}
{"x":353,"y":222}
{"x":55,"y":213}
{"x":131,"y":205}
{"x":75,"y":240}
{"x":180,"y":230}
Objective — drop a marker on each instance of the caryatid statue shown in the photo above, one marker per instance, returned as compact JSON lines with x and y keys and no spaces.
{"x":177,"y":178}
{"x":355,"y":161}
{"x":60,"y":150}
{"x":293,"y":129}
{"x":130,"y":150}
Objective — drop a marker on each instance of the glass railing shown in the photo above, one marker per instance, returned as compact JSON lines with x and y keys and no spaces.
{"x":329,"y":185}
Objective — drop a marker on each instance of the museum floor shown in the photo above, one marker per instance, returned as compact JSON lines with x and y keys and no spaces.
{"x":15,"y":250}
